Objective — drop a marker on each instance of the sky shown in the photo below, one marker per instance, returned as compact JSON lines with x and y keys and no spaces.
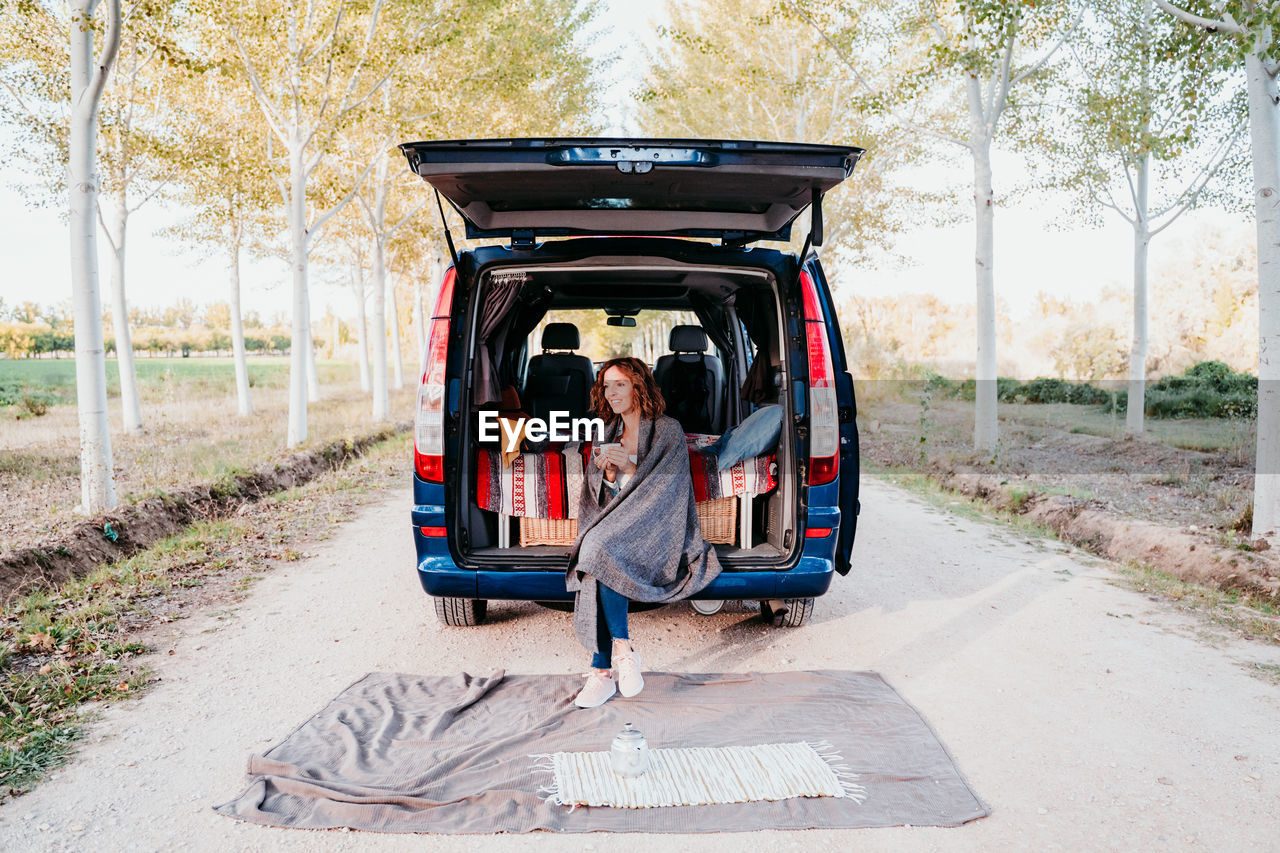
{"x":1032,"y":255}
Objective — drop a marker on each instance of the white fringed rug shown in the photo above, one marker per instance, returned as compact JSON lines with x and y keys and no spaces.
{"x":699,"y":776}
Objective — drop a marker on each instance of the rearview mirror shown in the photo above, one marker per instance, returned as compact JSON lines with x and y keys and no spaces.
{"x":621,"y":321}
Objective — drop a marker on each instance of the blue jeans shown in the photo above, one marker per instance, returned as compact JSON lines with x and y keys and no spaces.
{"x":611,"y":624}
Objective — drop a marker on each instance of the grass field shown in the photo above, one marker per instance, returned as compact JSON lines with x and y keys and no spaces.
{"x":54,"y":379}
{"x":1182,"y":472}
{"x":192,"y":433}
{"x":1234,"y":436}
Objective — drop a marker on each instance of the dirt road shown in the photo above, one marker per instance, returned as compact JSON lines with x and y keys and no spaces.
{"x":1089,"y":717}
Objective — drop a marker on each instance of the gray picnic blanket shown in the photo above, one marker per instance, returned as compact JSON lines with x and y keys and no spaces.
{"x":645,"y":542}
{"x":455,"y":754}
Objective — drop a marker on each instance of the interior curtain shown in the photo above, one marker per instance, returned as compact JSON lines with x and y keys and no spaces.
{"x":523,"y":316}
{"x":499,"y":296}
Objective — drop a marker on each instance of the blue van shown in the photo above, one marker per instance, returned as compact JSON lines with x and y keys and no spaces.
{"x":653,"y":248}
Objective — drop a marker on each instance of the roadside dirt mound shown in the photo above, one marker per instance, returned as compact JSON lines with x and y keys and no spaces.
{"x":1088,"y":524}
{"x":127,"y":530}
{"x":1137,"y":453}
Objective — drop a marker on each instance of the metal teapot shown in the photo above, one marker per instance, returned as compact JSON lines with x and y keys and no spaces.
{"x":629,"y":754}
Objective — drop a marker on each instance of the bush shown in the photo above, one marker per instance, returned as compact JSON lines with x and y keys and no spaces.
{"x":37,"y":403}
{"x":939,"y":384}
{"x":1005,"y":387}
{"x":1044,"y":391}
{"x":1209,"y":389}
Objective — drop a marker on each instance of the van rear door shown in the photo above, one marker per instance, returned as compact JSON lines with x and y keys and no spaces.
{"x":521,"y":189}
{"x":846,"y":412}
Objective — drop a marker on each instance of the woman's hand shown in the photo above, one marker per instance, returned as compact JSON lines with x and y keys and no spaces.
{"x":619,"y":459}
{"x":602,"y":461}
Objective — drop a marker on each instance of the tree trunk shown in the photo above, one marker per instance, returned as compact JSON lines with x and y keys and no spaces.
{"x":985,"y":423}
{"x":97,"y":478}
{"x":130,"y":404}
{"x":313,"y":376}
{"x":397,"y":351}
{"x":300,"y":338}
{"x":1135,"y":413}
{"x":362,"y":338}
{"x":1136,"y":407}
{"x":379,"y":324}
{"x":1264,"y":126}
{"x":244,"y":404}
{"x":419,"y":330}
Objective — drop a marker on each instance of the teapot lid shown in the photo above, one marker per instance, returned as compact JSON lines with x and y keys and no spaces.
{"x":629,"y":733}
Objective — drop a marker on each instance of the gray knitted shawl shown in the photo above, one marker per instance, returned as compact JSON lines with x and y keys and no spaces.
{"x":645,"y":542}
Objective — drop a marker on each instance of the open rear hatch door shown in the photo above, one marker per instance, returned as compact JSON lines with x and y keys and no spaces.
{"x":524,"y":188}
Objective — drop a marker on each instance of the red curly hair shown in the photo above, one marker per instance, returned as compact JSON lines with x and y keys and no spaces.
{"x":643,"y":386}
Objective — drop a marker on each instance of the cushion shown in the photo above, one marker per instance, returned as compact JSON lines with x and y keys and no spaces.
{"x":757,"y":434}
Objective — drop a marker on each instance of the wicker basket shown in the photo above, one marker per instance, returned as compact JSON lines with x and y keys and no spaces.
{"x":719,"y":520}
{"x":547,"y":531}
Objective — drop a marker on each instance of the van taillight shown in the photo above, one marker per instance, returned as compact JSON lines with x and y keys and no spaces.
{"x":428,"y":432}
{"x":824,"y":424}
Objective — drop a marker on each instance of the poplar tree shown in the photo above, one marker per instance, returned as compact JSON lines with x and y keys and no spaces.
{"x":1148,"y":137}
{"x":137,"y":151}
{"x":1249,"y":30}
{"x":521,"y":74}
{"x":311,"y":69}
{"x":226,"y":182}
{"x":85,"y":82}
{"x":767,"y":77}
{"x":141,"y":154}
{"x":952,"y":71}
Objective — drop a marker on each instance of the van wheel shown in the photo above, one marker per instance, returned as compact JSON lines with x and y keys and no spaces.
{"x":787,"y":612}
{"x":460,"y":612}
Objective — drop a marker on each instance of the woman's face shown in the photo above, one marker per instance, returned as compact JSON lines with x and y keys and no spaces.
{"x":618,"y":392}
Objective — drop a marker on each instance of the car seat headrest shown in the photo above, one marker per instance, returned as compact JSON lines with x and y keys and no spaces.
{"x":560,"y":336}
{"x":688,"y":339}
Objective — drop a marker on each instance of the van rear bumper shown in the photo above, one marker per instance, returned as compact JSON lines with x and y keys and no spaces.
{"x":439,"y":576}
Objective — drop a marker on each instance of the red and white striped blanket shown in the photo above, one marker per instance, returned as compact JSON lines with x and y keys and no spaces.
{"x":753,"y":476}
{"x":538,"y":485}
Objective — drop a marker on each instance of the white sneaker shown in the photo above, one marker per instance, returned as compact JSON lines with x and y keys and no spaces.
{"x":597,"y":691}
{"x":630,"y":681}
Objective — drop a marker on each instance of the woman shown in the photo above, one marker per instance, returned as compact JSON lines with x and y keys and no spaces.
{"x":638,"y":534}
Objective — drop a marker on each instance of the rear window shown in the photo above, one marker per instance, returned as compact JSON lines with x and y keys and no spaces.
{"x":648,"y":340}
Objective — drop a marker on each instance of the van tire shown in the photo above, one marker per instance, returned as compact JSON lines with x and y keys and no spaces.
{"x":460,"y":612}
{"x":794,"y":614}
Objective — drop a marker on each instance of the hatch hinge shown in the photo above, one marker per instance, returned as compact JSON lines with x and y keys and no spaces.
{"x":448,"y":237}
{"x":815,"y":219}
{"x":522,"y":238}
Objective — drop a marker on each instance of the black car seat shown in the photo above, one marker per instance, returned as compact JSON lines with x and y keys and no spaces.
{"x":692,"y":382}
{"x":559,"y":381}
